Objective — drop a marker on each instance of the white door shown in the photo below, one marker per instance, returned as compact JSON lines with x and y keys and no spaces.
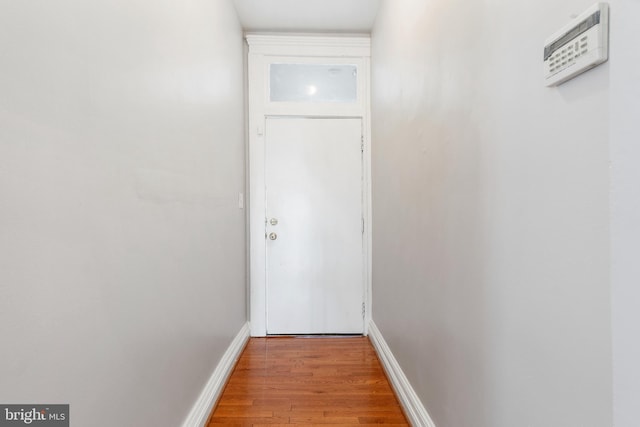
{"x":314,"y":265}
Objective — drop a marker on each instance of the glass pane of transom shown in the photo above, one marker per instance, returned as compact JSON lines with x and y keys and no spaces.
{"x":313,"y":83}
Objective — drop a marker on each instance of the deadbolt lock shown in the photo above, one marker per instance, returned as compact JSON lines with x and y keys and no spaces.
{"x":273,"y":221}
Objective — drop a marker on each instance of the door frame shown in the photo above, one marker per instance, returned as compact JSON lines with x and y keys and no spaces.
{"x":263,"y":51}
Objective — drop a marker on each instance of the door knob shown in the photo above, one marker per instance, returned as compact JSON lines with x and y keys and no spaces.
{"x":273,"y":236}
{"x":273,"y":221}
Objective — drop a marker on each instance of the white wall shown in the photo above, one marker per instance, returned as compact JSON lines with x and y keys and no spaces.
{"x":122,"y":247}
{"x":491,"y":237}
{"x":625,"y":210}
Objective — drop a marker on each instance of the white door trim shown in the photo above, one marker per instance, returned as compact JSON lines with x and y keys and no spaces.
{"x":263,"y":50}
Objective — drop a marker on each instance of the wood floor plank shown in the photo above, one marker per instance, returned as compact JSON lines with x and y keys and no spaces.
{"x":308,"y":381}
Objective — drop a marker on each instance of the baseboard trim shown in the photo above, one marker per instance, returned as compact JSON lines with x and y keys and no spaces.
{"x":413,"y":407}
{"x":199,"y":415}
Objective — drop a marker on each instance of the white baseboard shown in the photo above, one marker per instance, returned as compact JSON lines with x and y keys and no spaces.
{"x":413,"y":407}
{"x":201,"y":410}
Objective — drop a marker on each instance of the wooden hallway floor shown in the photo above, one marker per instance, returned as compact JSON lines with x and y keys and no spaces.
{"x":307,"y":381}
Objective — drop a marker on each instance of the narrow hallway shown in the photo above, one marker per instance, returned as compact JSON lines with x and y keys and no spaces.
{"x":147,"y":166}
{"x":329,"y":381}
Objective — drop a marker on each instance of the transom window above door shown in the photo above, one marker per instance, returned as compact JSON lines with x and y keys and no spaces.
{"x":324,"y":83}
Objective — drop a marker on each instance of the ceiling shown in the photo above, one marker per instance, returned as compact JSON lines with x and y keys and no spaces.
{"x":338,"y":16}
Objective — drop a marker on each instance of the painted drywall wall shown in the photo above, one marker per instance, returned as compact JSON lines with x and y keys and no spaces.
{"x":490,"y":206}
{"x":122,"y":247}
{"x":625,"y":211}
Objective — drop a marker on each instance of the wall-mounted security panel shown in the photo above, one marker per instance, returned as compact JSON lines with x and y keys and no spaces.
{"x":577,"y":47}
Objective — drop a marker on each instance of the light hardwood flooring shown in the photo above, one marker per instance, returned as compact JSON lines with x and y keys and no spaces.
{"x":307,"y":381}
